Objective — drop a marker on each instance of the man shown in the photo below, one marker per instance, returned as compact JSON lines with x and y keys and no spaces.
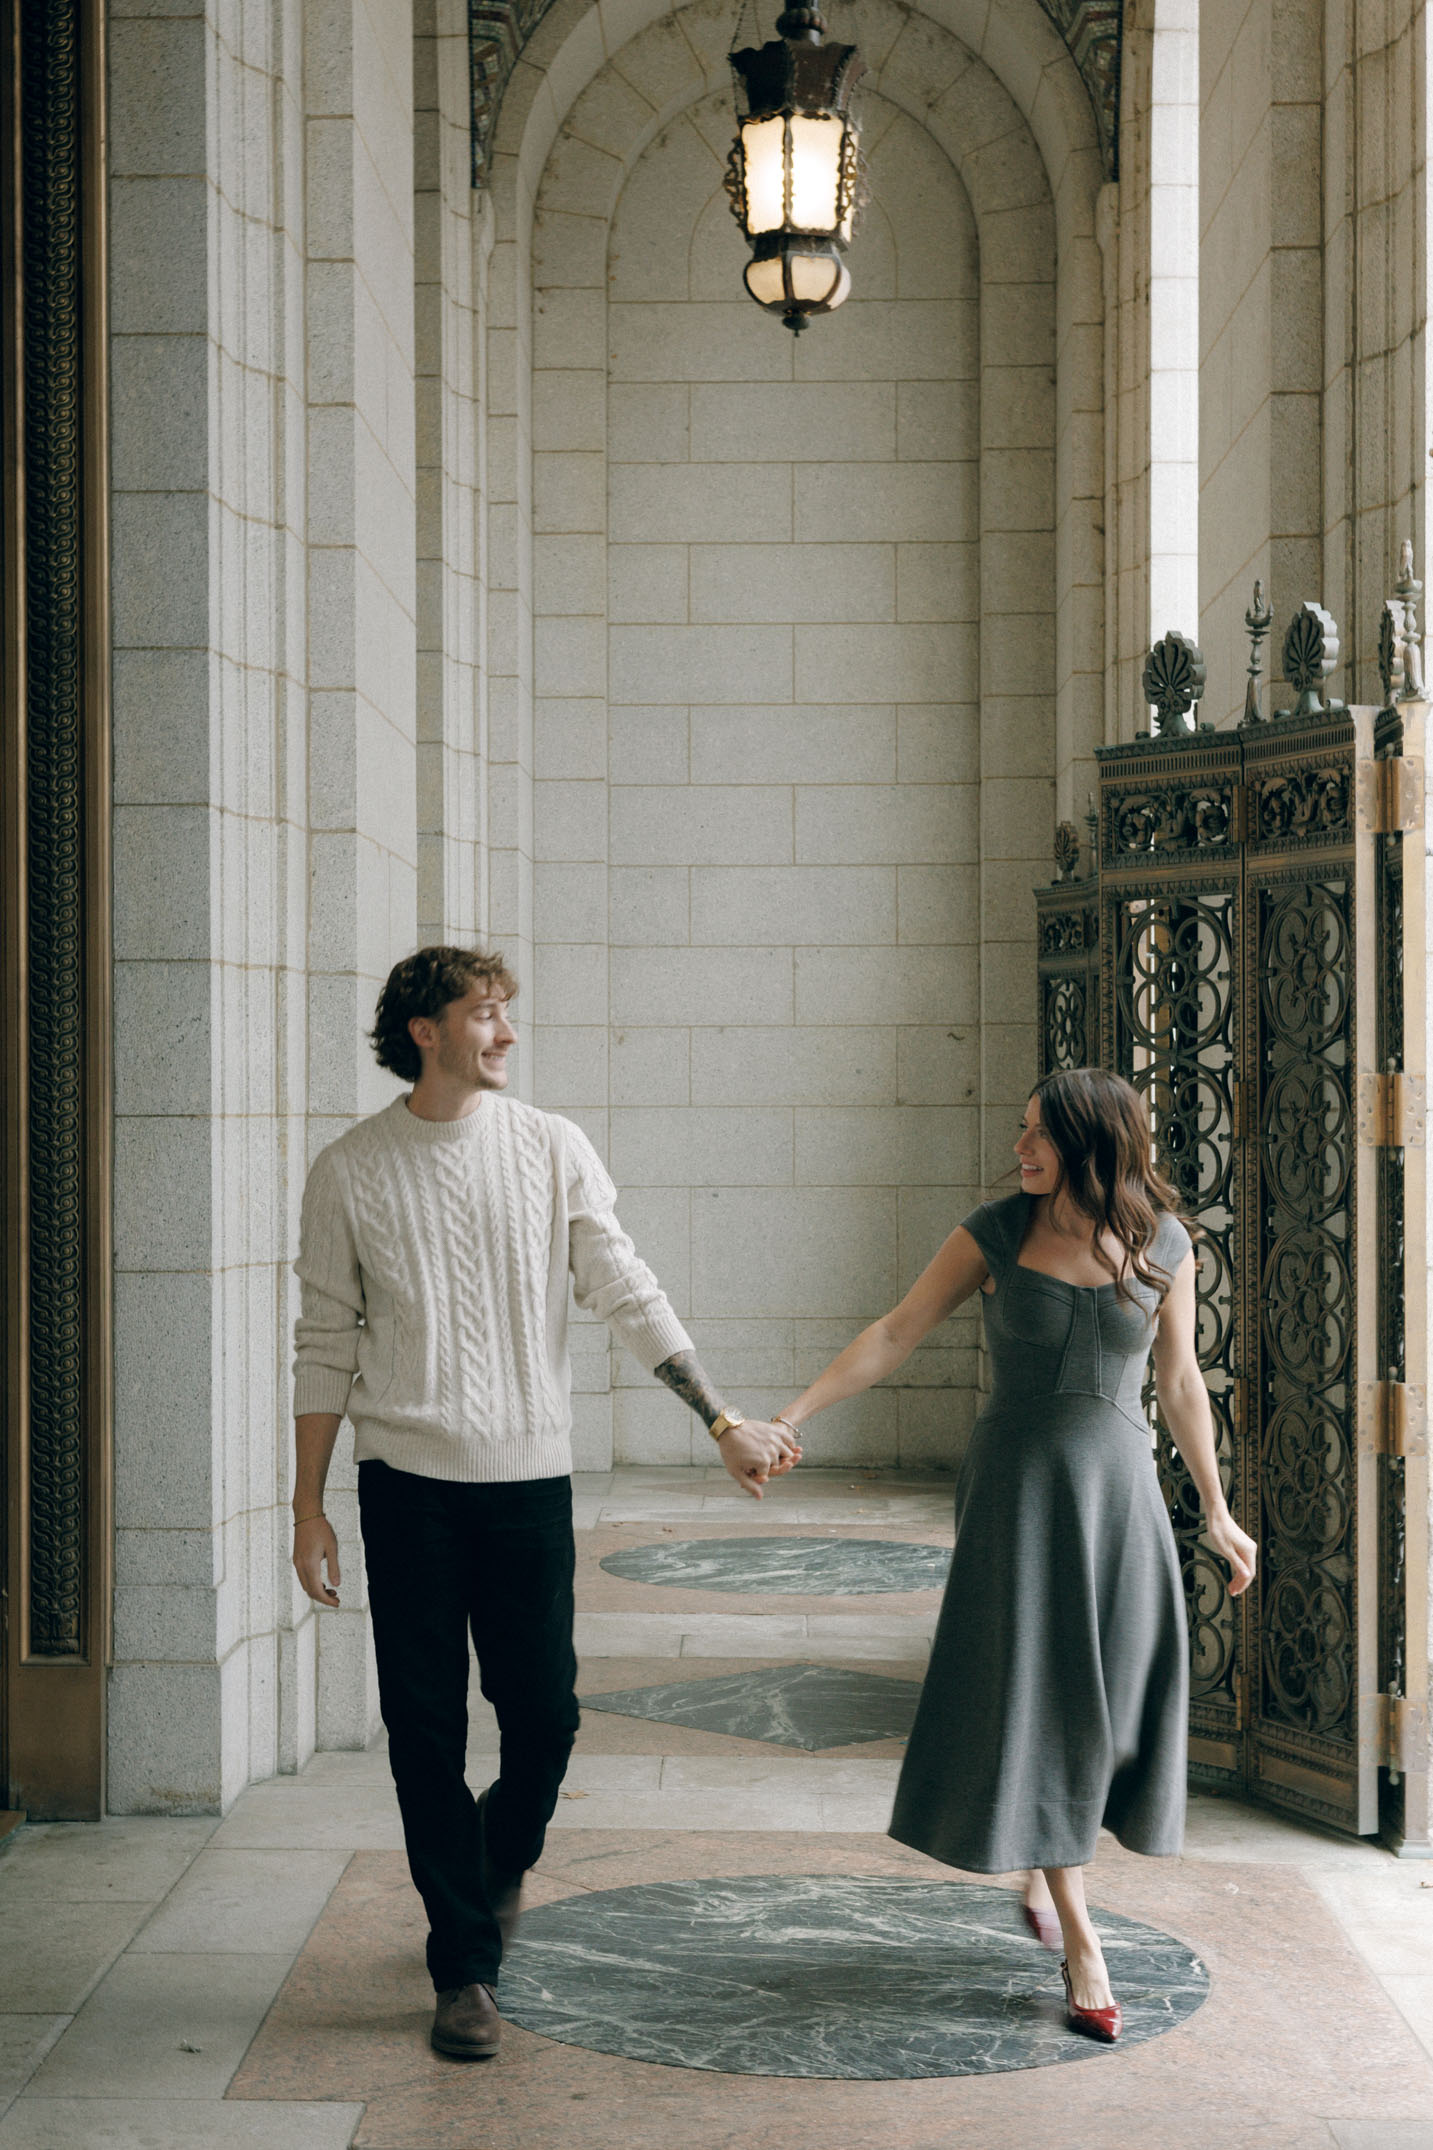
{"x":437,"y":1241}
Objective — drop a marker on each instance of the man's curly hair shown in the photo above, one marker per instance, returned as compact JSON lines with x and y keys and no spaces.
{"x":425,"y":984}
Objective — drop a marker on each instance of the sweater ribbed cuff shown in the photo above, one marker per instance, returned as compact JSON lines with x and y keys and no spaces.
{"x":655,"y":1339}
{"x":321,"y":1388}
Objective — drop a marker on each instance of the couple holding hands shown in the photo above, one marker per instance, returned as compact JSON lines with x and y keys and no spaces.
{"x":438,"y":1241}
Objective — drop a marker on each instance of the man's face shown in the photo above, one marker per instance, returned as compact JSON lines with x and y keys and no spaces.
{"x":472,"y":1038}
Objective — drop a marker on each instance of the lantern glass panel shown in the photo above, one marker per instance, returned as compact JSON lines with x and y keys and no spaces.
{"x":814,"y":277}
{"x":815,"y":172}
{"x":763,"y":143}
{"x":765,"y":281}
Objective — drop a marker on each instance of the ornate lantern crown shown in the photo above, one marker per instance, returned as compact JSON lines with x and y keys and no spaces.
{"x":795,"y":175}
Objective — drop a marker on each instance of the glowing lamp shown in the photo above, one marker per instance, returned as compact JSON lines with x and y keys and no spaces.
{"x":795,"y":174}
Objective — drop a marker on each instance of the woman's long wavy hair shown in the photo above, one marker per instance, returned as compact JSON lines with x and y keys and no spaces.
{"x":1099,"y":1125}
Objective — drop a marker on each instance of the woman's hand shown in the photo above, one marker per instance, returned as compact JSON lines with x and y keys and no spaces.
{"x":1234,"y":1546}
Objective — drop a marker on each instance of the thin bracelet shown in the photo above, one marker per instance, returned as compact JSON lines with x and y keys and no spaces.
{"x":319,"y":1517}
{"x":794,"y":1431}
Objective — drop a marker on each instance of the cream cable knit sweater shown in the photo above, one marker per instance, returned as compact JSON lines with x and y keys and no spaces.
{"x":434,"y":1257}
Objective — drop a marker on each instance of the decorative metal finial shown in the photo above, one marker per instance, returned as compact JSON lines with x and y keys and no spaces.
{"x":1067,"y":851}
{"x":1310,"y":654}
{"x":1174,"y":675}
{"x":1409,"y":590}
{"x":1258,"y":619}
{"x":1390,"y":651}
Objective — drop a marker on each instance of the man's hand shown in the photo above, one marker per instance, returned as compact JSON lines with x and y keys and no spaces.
{"x":316,"y":1547}
{"x":755,"y":1451}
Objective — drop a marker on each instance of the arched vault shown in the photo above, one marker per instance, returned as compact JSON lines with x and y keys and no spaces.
{"x":498,"y":30}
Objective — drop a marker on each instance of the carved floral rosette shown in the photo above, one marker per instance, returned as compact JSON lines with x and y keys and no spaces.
{"x":1158,"y":818}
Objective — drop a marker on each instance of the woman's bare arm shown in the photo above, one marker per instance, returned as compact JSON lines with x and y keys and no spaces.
{"x":1184,"y":1407}
{"x":954,"y":1273}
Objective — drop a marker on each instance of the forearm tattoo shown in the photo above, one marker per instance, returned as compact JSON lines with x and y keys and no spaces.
{"x":684,"y":1377}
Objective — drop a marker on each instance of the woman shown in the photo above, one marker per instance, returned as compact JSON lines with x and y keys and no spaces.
{"x":1056,"y":1696}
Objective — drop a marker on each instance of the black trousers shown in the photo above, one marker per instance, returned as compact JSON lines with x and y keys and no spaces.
{"x":445,"y":1560}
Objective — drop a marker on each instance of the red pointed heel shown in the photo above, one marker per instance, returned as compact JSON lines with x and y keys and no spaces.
{"x":1045,"y":1927}
{"x":1102,"y":2023}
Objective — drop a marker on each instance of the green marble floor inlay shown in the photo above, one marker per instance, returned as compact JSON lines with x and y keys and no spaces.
{"x":785,"y":1567}
{"x":860,"y":1976}
{"x":810,"y":1706}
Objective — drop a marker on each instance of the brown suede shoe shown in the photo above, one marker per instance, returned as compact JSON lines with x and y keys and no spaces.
{"x":466,"y":2023}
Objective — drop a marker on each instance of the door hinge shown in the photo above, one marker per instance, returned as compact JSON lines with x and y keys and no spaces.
{"x":1390,"y":794}
{"x":1392,"y":1110}
{"x":1402,"y":1734}
{"x":1393,"y":1419}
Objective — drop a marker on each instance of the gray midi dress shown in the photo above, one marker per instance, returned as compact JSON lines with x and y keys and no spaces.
{"x":1057,"y":1692}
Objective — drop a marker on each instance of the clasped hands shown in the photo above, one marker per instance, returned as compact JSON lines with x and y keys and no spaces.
{"x":757,"y":1450}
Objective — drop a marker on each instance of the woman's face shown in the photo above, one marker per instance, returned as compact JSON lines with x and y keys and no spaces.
{"x":1039,"y":1159}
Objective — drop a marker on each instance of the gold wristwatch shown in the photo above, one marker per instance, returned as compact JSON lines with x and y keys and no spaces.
{"x":724,"y":1424}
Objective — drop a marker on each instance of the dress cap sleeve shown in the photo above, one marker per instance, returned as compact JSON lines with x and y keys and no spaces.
{"x":1171,"y":1243}
{"x":997,"y":1229}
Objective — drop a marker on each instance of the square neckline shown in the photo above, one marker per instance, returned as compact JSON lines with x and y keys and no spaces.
{"x":1047,"y":1275}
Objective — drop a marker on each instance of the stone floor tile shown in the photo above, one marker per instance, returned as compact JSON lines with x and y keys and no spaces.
{"x":1222,"y":1829}
{"x":626,"y":1635}
{"x":614,"y":1774}
{"x":895,"y":1627}
{"x":658,"y":1810}
{"x":24,"y":2042}
{"x":285,"y":1816}
{"x":124,"y":1859}
{"x":1414,"y":1999}
{"x":352,"y":1766}
{"x":1382,"y":2134}
{"x":172,"y":2026}
{"x":52,"y":1953}
{"x":740,"y":1634}
{"x":243,"y":1903}
{"x":175,"y":2124}
{"x":743,"y":1773}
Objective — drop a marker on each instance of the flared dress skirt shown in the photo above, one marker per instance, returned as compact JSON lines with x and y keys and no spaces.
{"x":1057,"y":1695}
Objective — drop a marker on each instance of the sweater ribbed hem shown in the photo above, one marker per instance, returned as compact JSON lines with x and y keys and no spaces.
{"x":428,"y":1454}
{"x":320,"y":1388}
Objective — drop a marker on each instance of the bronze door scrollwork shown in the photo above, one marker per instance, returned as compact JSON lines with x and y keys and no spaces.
{"x":1236,"y":948}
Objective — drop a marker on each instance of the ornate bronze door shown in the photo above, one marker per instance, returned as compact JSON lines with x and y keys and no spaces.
{"x":1172,"y":923}
{"x":1254,"y":903}
{"x":55,"y":1088}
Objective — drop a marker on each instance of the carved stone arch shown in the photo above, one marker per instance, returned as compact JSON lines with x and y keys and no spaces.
{"x":1087,"y":34}
{"x":1043,"y":144}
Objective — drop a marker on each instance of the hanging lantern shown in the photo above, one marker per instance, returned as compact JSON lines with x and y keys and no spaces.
{"x":795,"y":174}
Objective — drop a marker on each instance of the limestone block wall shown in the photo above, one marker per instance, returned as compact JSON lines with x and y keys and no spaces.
{"x":1261,"y":344}
{"x":210,"y":628}
{"x":1375,"y":349}
{"x":1151,"y":245}
{"x":361,"y":557}
{"x":264,"y":551}
{"x":796,"y":658}
{"x":449,"y":447}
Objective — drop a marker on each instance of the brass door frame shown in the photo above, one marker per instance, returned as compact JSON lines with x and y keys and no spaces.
{"x":55,"y":1433}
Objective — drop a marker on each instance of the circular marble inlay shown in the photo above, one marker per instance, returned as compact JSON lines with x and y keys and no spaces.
{"x":786,"y":1567}
{"x":866,"y":1976}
